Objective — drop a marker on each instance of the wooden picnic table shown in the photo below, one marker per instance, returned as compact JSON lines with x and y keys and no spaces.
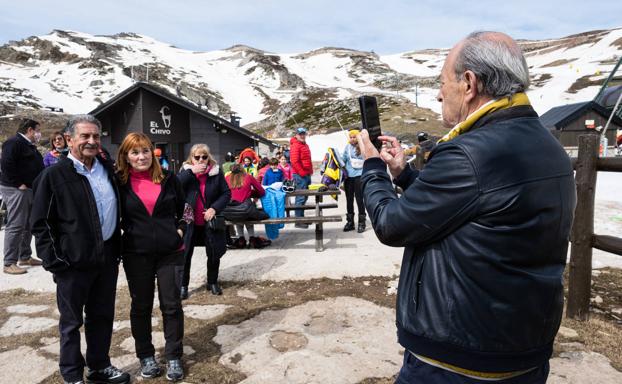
{"x":318,"y":219}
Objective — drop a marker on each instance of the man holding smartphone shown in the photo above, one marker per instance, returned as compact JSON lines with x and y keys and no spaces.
{"x":485,"y":226}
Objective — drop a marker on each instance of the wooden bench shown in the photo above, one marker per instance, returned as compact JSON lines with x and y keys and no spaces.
{"x":318,"y":219}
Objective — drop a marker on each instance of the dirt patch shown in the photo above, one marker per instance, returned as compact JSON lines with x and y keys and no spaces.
{"x":557,"y":63}
{"x":602,"y":334}
{"x":584,"y":82}
{"x":203,"y":365}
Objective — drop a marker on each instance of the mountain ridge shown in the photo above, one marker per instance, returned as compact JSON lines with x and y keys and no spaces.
{"x":275,"y":92}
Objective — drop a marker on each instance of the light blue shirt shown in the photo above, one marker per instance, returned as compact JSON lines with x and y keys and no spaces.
{"x":349,"y":154}
{"x":102,"y":189}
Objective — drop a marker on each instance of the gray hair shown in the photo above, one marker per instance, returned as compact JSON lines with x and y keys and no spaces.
{"x":70,"y":128}
{"x":500,"y":68}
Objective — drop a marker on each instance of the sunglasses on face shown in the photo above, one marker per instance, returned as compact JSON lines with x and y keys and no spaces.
{"x":204,"y":157}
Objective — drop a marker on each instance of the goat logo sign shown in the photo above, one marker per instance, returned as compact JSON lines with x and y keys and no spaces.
{"x":155,"y":129}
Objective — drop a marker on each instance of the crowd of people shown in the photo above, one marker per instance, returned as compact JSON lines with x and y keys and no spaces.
{"x":484,"y":227}
{"x":89,"y":211}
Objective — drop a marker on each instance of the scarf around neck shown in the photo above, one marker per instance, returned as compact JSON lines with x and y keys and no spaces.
{"x":490,"y":107}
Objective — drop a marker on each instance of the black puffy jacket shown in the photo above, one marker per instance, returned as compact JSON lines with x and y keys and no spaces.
{"x":485,"y":226}
{"x":217,"y":195}
{"x":156,"y":233}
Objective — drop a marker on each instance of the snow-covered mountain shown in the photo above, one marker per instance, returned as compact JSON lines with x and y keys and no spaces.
{"x":273,"y":92}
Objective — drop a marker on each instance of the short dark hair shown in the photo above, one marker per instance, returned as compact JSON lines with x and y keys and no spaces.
{"x":274,"y":161}
{"x":27,"y":123}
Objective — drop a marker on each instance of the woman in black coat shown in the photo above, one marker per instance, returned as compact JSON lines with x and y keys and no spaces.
{"x":153,"y":219}
{"x":201,"y":173}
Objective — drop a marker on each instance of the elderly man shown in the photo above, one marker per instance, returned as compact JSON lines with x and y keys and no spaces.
{"x":75,"y":220}
{"x":21,"y":164}
{"x":485,"y":226}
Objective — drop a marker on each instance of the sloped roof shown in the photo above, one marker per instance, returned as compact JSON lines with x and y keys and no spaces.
{"x":610,"y":96}
{"x":181,"y":102}
{"x":559,"y":117}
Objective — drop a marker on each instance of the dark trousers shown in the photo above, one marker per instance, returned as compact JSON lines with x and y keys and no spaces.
{"x":302,"y":182}
{"x":141,"y":271}
{"x":92,"y":292}
{"x":414,"y":371}
{"x":213,"y":262}
{"x":352,"y":186}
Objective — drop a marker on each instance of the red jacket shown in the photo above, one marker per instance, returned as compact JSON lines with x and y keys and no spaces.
{"x":300,"y":157}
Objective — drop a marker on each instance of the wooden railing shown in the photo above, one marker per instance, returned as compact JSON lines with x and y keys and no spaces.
{"x":587,"y":164}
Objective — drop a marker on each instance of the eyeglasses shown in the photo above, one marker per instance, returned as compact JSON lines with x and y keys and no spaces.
{"x":204,"y":157}
{"x":58,"y":138}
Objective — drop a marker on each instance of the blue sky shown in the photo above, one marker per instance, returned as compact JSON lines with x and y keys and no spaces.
{"x":384,"y":26}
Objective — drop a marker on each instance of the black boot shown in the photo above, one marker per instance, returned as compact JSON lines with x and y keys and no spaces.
{"x":215,"y":289}
{"x":184,"y":293}
{"x":361,"y":227}
{"x":349,"y":222}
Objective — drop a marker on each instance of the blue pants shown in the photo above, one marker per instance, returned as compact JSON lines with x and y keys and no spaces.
{"x":302,"y":182}
{"x":414,"y":371}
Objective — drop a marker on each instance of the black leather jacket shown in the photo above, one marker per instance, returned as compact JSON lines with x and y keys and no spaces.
{"x":485,"y":226}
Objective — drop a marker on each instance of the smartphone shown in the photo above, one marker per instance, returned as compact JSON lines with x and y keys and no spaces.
{"x":370,"y":119}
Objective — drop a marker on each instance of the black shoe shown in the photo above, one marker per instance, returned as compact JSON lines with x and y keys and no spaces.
{"x":174,"y":370}
{"x":149,"y":368}
{"x":259,"y":242}
{"x":239,"y":243}
{"x":301,"y":225}
{"x":361,"y":227}
{"x":215,"y":289}
{"x":349,"y":226}
{"x":183,"y":293}
{"x":110,"y":375}
{"x":73,"y":382}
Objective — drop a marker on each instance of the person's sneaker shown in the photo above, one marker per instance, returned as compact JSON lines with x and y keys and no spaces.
{"x":31,"y":262}
{"x":13,"y":269}
{"x":174,"y":370}
{"x":183,"y":293}
{"x":301,"y":225}
{"x":73,"y":382}
{"x":110,"y":375}
{"x":149,"y":368}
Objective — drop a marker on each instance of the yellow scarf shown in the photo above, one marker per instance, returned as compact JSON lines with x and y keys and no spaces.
{"x":494,"y":105}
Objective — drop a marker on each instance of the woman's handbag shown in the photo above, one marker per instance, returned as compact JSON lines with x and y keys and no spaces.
{"x":243,"y":211}
{"x":217,"y":223}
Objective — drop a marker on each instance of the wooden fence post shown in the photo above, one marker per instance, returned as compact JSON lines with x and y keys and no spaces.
{"x":580,"y":273}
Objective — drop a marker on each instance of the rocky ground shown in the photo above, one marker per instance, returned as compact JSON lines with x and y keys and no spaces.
{"x":291,"y":315}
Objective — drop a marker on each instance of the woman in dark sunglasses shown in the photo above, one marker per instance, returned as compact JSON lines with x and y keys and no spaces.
{"x":208,"y":193}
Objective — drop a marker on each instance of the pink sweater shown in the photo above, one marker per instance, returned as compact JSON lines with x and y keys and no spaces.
{"x":287,"y":171}
{"x":146,"y":190}
{"x":250,"y":188}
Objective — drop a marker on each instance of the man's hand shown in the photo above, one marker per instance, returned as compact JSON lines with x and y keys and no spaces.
{"x":392,"y":153}
{"x":22,"y":187}
{"x":198,"y":168}
{"x":208,"y":214}
{"x":180,"y":233}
